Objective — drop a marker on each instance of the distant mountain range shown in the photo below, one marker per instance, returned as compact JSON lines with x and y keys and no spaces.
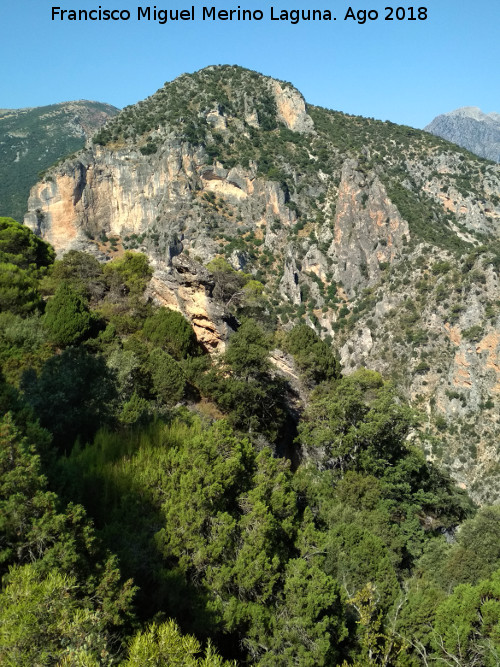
{"x":32,"y":139}
{"x":470,"y":128}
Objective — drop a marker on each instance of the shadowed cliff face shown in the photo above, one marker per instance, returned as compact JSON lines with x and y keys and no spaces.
{"x":380,"y":236}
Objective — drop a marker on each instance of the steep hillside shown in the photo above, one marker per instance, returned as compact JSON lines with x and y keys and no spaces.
{"x":382,"y":237}
{"x":33,"y":139}
{"x":470,"y":128}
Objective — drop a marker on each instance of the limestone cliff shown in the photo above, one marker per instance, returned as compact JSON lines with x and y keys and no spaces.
{"x":368,"y":231}
{"x":187,"y":287}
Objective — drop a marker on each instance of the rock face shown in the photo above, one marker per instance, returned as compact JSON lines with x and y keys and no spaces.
{"x":121,"y":193}
{"x":187,"y":287}
{"x":384,"y":238}
{"x":472,"y":129}
{"x":291,"y":108}
{"x":31,"y":140}
{"x":368,"y":229}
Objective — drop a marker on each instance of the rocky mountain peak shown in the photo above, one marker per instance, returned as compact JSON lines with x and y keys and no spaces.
{"x":473,"y":112}
{"x":470,"y":128}
{"x":194,"y":105}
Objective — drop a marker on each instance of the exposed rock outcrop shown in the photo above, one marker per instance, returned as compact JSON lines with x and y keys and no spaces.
{"x":291,"y":108}
{"x":187,"y":287}
{"x":368,"y":229}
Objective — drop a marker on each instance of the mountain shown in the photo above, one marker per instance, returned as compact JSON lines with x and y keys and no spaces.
{"x":382,"y":237}
{"x":33,"y":139}
{"x":470,"y":128}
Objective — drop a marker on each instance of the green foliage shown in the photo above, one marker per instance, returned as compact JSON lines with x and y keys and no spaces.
{"x":170,"y":331}
{"x":474,"y":333}
{"x":149,"y":149}
{"x":234,"y":288}
{"x":67,"y":317}
{"x":357,"y":424}
{"x":252,"y":292}
{"x":220,"y":265}
{"x":421,"y":213}
{"x":50,"y":616}
{"x":132,"y":272}
{"x":240,"y":513}
{"x":18,"y":290}
{"x":243,"y":386}
{"x":72,"y":395}
{"x":378,"y":645}
{"x":247,"y":351}
{"x":164,"y":644}
{"x":416,"y":619}
{"x":23,"y":345}
{"x":19,"y":246}
{"x":79,"y":270}
{"x":312,"y":355}
{"x":135,"y":410}
{"x":309,"y":624}
{"x":356,"y":556}
{"x":441,"y":267}
{"x":42,"y":619}
{"x":56,"y":600}
{"x":29,"y":521}
{"x":204,"y":479}
{"x":23,"y":259}
{"x":476,"y":554}
{"x":467,"y":626}
{"x":168,"y":379}
{"x":127,"y":369}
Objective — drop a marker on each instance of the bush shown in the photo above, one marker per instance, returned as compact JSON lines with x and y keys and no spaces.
{"x":313,"y":356}
{"x":67,"y":318}
{"x":132,"y":271}
{"x":72,"y":396}
{"x":81,"y":270}
{"x":168,"y":379}
{"x":171,"y":331}
{"x":474,"y":333}
{"x":18,"y":290}
{"x":19,"y":246}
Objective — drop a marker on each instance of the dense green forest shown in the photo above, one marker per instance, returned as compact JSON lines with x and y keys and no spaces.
{"x":149,"y":517}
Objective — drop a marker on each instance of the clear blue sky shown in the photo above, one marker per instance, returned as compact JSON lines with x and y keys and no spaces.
{"x":407,"y":72}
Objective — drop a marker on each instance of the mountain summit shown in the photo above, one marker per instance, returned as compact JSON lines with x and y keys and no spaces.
{"x":470,"y":128}
{"x":383,"y":238}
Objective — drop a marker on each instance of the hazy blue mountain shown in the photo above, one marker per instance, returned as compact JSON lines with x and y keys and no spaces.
{"x":470,"y":128}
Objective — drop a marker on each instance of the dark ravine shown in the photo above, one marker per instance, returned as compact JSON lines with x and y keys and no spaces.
{"x":382,"y":237}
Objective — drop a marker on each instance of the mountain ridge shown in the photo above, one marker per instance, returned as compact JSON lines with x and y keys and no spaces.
{"x":470,"y":128}
{"x":33,"y":138}
{"x":381,"y":237}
